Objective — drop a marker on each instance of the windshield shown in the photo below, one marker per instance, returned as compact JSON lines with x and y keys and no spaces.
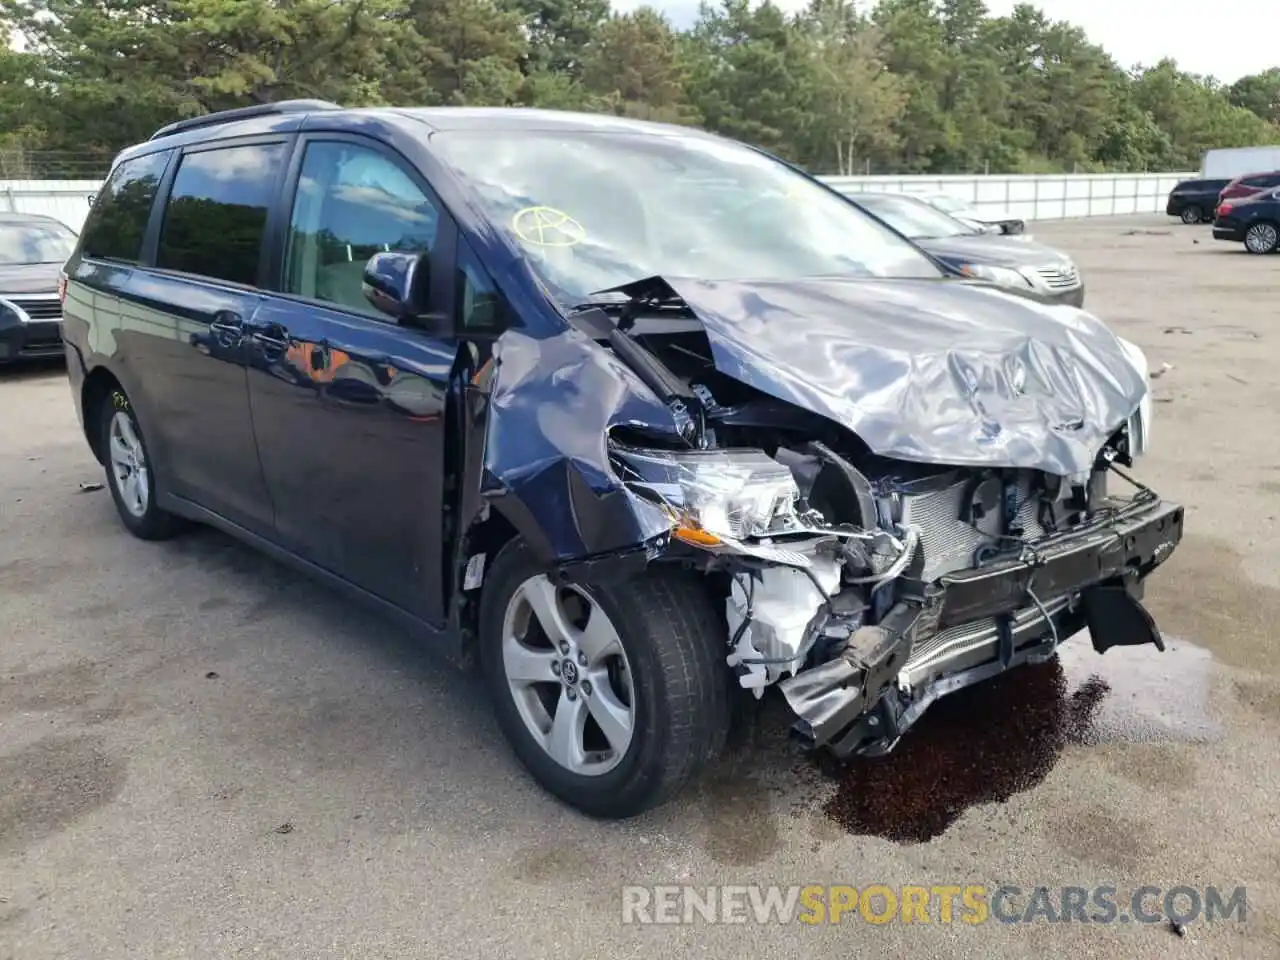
{"x":595,"y":210}
{"x":950,"y":204}
{"x":35,"y":243}
{"x":914,"y":218}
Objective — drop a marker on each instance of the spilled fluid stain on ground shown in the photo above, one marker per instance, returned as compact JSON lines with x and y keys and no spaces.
{"x":1002,"y":737}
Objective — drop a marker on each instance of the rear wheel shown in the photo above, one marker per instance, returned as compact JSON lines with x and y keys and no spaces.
{"x":129,"y":471}
{"x":1192,"y":214}
{"x":613,"y":697}
{"x":1262,"y":237}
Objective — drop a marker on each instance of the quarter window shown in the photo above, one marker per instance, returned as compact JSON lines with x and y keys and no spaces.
{"x":480,"y":303}
{"x":217,"y":212}
{"x":352,"y":202}
{"x":117,"y":222}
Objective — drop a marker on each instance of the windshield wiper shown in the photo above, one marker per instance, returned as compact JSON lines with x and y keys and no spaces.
{"x":605,"y":300}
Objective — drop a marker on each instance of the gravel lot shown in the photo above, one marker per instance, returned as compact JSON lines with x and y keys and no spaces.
{"x":204,"y":755}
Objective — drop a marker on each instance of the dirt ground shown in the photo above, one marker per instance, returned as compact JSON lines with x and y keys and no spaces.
{"x":204,"y":755}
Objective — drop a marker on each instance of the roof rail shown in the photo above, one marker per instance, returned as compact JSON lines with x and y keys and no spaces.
{"x":243,"y":113}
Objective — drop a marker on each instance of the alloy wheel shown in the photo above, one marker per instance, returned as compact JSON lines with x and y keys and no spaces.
{"x":129,"y":464}
{"x":568,"y":675}
{"x":1261,"y":238}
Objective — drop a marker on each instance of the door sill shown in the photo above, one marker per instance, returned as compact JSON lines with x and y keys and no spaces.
{"x":447,"y":638}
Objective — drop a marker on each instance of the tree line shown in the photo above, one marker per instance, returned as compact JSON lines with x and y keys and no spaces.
{"x":900,"y":86}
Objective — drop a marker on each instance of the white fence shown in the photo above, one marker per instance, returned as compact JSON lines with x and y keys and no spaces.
{"x":1051,"y":197}
{"x":66,"y":200}
{"x":1044,"y":197}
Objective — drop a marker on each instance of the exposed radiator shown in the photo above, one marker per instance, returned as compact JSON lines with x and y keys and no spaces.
{"x":935,"y":504}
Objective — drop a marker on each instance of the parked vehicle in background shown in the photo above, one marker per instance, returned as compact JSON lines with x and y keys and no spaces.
{"x":990,"y":219}
{"x":33,"y":249}
{"x":1249,"y":184}
{"x":1016,"y":264}
{"x":1193,"y":201}
{"x":635,"y":416}
{"x":1232,"y":162}
{"x":1253,"y":221}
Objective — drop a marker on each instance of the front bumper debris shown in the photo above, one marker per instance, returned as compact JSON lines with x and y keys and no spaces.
{"x":858,"y":701}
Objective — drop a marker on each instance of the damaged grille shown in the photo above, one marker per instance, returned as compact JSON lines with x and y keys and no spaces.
{"x":930,"y":656}
{"x":950,"y":543}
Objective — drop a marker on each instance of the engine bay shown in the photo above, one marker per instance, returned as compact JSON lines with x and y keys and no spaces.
{"x":861,"y":532}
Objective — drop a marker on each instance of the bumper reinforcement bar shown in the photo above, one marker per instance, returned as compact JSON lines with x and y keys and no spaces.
{"x":1105,"y":565}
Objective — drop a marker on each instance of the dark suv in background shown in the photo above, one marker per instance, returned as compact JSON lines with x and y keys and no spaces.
{"x":1249,"y":184}
{"x":33,"y":249}
{"x":1193,"y":201}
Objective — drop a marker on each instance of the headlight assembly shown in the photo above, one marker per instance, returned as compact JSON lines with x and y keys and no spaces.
{"x":1002,"y":276}
{"x":715,"y":495}
{"x":1140,"y":422}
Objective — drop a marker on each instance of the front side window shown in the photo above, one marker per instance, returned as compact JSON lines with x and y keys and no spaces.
{"x":595,"y":209}
{"x":117,"y":222}
{"x":35,"y":241}
{"x":352,"y":202}
{"x":217,"y":212}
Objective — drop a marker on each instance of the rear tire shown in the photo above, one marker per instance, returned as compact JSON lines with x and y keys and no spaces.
{"x":130,"y":476}
{"x":666,"y":703}
{"x":1262,"y":237}
{"x":1192,"y":214}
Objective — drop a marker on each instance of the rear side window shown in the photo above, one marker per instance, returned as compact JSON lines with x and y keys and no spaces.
{"x":217,"y":212}
{"x":118,"y":220}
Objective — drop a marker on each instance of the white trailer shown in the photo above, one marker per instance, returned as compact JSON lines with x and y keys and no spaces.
{"x":1237,"y":161}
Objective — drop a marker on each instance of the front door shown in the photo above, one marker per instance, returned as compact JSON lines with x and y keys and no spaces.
{"x":348,"y":405}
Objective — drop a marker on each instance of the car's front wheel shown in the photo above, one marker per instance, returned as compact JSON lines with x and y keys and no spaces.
{"x":613,"y":697}
{"x":1262,"y":238}
{"x":1192,"y":214}
{"x":130,"y":474}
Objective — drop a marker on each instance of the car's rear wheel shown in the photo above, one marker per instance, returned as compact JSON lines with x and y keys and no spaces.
{"x":1192,"y":214}
{"x":1262,"y":237}
{"x":613,"y":697}
{"x":130,"y":475}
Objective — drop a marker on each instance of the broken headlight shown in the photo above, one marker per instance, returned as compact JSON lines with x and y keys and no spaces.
{"x":716,"y":494}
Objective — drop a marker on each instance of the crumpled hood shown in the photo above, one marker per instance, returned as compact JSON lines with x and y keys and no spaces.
{"x":935,"y":371}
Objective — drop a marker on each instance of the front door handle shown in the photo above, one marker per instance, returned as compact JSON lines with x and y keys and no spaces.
{"x":227,"y":328}
{"x":272,"y":342}
{"x":272,"y":336}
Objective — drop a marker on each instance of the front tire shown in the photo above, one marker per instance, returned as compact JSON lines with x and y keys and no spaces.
{"x":614,"y":698}
{"x":130,"y":475}
{"x":1192,"y":214}
{"x":1262,"y":238}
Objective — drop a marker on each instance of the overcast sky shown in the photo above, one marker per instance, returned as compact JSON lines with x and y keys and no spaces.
{"x":1225,"y":38}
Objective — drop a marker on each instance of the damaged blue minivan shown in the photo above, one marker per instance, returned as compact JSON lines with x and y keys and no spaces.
{"x":635,"y":417}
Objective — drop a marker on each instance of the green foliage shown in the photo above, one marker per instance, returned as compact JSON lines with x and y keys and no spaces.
{"x":843,"y":86}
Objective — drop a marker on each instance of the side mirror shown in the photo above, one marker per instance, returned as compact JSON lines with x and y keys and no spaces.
{"x":396,"y":284}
